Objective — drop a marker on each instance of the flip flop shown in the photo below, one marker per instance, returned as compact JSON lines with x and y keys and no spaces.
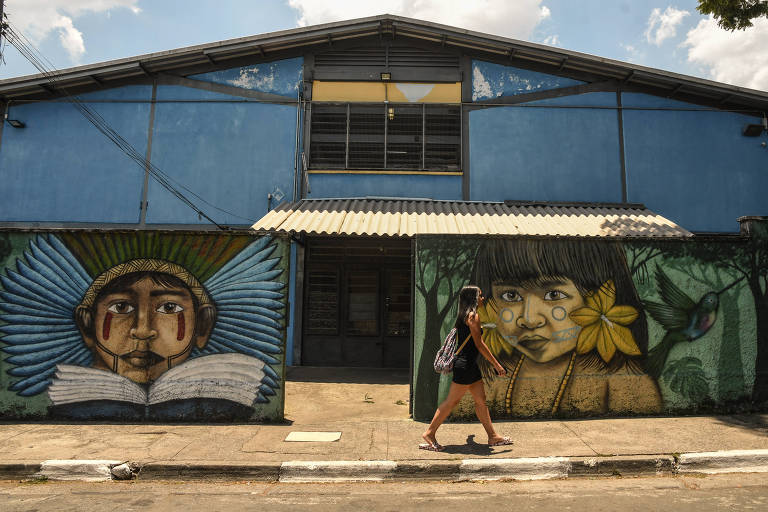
{"x":504,"y":441}
{"x":437,"y":447}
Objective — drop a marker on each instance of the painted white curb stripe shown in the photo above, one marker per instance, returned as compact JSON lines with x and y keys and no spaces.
{"x":83,"y":470}
{"x":537,"y":468}
{"x":735,"y":461}
{"x":337,"y":471}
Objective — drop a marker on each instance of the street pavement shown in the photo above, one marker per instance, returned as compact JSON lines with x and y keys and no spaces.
{"x":378,"y":441}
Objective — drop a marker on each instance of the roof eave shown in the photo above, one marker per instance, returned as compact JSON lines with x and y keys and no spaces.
{"x":263,"y":44}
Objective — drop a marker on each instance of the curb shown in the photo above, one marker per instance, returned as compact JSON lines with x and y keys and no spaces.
{"x":622,"y":465}
{"x":264,"y":472}
{"x":337,"y":471}
{"x":736,"y":461}
{"x":536,"y":468}
{"x":82,"y":470}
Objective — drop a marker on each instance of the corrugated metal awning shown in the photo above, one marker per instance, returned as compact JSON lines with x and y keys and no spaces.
{"x":408,"y":217}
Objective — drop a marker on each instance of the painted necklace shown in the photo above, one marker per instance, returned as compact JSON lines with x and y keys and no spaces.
{"x":560,"y":391}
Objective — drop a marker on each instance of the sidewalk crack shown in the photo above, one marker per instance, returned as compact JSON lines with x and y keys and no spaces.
{"x":387,"y":450}
{"x":567,"y":427}
{"x":17,"y":434}
{"x":181,"y":450}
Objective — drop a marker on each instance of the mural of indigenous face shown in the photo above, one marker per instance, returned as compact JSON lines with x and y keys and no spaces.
{"x":143,"y":323}
{"x":565,"y":319}
{"x":535,"y":319}
{"x":107,"y":322}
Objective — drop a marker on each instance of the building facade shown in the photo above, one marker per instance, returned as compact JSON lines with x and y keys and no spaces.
{"x":318,"y":196}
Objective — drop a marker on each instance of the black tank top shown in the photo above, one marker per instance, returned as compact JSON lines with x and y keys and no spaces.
{"x":469,"y":353}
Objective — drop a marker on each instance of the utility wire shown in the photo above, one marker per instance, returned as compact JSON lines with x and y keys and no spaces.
{"x":45,"y":67}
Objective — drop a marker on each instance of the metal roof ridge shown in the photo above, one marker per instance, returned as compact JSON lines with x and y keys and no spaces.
{"x":203,"y":46}
{"x":402,"y":21}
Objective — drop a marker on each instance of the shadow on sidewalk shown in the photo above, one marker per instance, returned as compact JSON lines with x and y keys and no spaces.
{"x":344,"y":375}
{"x":473,"y":448}
{"x":754,"y":422}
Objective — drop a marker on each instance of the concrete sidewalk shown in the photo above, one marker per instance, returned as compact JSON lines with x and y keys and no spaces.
{"x":378,"y":440}
{"x":246,"y":452}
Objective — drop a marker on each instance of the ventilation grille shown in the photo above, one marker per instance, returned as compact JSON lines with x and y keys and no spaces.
{"x":389,"y":56}
{"x":385,"y":136}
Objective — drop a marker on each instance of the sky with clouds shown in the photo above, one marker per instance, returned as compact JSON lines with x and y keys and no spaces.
{"x":669,"y":35}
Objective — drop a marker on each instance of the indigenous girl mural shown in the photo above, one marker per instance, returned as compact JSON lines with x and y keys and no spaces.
{"x":588,"y":327}
{"x":147,"y":325}
{"x":565,"y":318}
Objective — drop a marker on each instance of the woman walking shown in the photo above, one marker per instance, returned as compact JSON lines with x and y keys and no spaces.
{"x":466,"y":372}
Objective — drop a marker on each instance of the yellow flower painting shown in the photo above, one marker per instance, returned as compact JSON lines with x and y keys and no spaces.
{"x":603,"y":324}
{"x":493,"y":339}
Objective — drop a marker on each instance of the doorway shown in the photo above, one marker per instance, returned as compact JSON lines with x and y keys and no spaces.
{"x":357,"y":302}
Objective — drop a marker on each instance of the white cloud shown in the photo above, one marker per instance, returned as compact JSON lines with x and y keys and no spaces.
{"x":630,"y":49}
{"x":71,"y":38}
{"x":515,"y":19}
{"x":37,"y":19}
{"x":737,"y":57}
{"x":553,"y":40}
{"x":663,"y":25}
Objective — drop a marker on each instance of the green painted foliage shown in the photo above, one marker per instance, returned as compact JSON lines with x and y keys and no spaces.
{"x":686,"y":377}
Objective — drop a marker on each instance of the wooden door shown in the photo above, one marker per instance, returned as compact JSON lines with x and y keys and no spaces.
{"x":357,"y":303}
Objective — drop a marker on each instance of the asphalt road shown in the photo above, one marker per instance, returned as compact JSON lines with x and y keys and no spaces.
{"x":681,"y":494}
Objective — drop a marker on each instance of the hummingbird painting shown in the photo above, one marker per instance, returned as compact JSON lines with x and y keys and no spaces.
{"x":682,"y":317}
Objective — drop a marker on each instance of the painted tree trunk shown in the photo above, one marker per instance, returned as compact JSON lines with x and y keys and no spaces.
{"x":730,"y":370}
{"x":760,"y":392}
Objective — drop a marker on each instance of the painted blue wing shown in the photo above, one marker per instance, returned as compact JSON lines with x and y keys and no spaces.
{"x":37,"y":304}
{"x":249,"y":301}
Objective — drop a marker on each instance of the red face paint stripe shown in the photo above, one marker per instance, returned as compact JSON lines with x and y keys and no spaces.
{"x":105,"y":327}
{"x":180,"y":331}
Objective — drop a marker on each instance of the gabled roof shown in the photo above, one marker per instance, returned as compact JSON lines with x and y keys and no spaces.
{"x":412,"y":217}
{"x":273,"y":45}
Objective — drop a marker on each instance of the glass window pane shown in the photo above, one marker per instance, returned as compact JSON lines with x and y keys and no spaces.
{"x":398,"y":303}
{"x":366,"y":136}
{"x":362,"y":307}
{"x":443,"y":130}
{"x":322,"y":307}
{"x":329,"y":136}
{"x":404,"y":136}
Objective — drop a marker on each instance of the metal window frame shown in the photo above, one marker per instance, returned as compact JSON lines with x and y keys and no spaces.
{"x":386,"y":106}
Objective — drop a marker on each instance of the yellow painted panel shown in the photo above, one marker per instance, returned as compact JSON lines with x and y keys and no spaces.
{"x":424,"y":93}
{"x":348,"y":91}
{"x":396,"y":92}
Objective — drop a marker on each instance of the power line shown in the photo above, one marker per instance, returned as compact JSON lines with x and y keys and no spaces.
{"x":2,"y":30}
{"x":47,"y":69}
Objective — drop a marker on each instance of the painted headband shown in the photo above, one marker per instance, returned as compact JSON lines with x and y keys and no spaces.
{"x":145,"y":265}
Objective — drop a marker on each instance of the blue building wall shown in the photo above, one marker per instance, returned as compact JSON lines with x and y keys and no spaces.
{"x":279,"y":77}
{"x":686,"y":162}
{"x":547,"y":150}
{"x":60,"y":168}
{"x":693,"y":166}
{"x":385,"y":185}
{"x":491,"y":80}
{"x":231,"y":152}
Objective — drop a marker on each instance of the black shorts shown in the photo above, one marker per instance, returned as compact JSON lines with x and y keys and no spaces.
{"x":466,"y":372}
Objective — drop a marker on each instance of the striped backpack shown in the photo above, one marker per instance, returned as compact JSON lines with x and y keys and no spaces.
{"x":447,"y":353}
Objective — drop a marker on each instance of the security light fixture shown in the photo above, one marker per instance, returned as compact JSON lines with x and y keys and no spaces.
{"x":755,"y":130}
{"x":386,"y":76}
{"x":15,"y":123}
